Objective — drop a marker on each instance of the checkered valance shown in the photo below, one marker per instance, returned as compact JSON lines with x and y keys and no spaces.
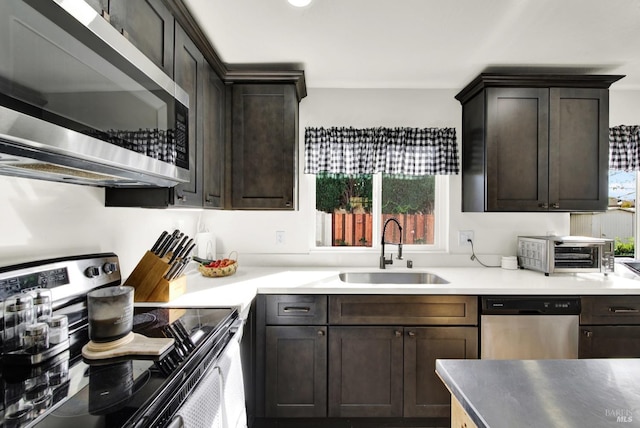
{"x":624,"y":148}
{"x":398,"y":151}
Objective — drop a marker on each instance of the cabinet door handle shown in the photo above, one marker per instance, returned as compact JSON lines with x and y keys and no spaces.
{"x":622,"y":310}
{"x":588,"y":333}
{"x":544,"y":206}
{"x":296,"y":309}
{"x":398,"y":333}
{"x":412,"y":334}
{"x":555,"y":205}
{"x":320,"y":333}
{"x":181,"y":198}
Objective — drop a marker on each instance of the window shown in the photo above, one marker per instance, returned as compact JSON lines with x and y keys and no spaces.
{"x":363,"y":177}
{"x":619,"y":221}
{"x":351,"y":210}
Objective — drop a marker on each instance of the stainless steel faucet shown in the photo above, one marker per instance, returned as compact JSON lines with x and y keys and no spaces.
{"x":383,"y":261}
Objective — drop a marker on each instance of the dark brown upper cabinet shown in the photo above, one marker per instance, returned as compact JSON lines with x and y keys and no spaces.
{"x":148,"y":24}
{"x":535,"y":143}
{"x":264,"y":139}
{"x":243,"y":119}
{"x":214,"y":113}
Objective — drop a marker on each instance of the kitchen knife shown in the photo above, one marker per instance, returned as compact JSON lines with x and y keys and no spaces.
{"x":188,"y":250}
{"x":185,"y":248}
{"x":164,"y":242}
{"x":182,"y":267}
{"x":176,"y":269}
{"x":155,"y":246}
{"x":178,"y":250}
{"x":167,"y":246}
{"x":172,"y":270}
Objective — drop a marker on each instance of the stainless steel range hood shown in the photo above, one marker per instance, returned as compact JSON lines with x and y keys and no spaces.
{"x":80,"y":104}
{"x":33,"y":148}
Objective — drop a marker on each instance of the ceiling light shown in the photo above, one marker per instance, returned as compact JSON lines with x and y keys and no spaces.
{"x":299,"y":3}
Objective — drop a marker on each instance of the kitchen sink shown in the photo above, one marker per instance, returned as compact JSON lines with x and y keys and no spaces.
{"x":391,"y":278}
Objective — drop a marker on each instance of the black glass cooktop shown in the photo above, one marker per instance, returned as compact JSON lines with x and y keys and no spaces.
{"x":70,"y":391}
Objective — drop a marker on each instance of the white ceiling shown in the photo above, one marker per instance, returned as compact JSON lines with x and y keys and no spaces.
{"x":426,"y":43}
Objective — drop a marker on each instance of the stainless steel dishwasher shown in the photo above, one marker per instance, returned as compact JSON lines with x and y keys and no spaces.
{"x":529,"y":328}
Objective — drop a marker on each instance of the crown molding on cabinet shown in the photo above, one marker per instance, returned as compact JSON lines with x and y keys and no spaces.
{"x":535,"y":80}
{"x":236,"y":73}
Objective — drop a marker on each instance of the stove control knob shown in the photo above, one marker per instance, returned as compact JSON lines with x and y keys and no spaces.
{"x":109,"y":268}
{"x":91,"y":271}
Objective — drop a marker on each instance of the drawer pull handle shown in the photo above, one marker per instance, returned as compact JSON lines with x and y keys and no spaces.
{"x":296,"y":309}
{"x":622,"y":310}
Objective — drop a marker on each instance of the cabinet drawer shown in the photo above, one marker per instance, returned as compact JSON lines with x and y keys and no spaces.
{"x":302,"y":309}
{"x":608,"y":310}
{"x":403,"y":310}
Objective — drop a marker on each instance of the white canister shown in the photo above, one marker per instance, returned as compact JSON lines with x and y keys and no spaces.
{"x":509,"y":262}
{"x":206,"y":245}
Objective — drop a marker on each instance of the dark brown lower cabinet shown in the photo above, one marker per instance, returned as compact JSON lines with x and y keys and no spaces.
{"x":296,"y":371}
{"x":390,"y":371}
{"x":609,"y":327}
{"x":597,"y":341}
{"x":358,"y":361}
{"x":425,"y":396}
{"x":365,"y":374}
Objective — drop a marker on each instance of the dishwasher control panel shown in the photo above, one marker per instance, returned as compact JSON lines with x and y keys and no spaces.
{"x":518,"y":305}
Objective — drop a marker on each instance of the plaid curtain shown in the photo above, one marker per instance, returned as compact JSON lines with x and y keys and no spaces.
{"x":398,"y":151}
{"x":624,"y":148}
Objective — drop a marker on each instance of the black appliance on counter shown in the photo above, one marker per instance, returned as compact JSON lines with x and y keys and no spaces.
{"x":67,"y":390}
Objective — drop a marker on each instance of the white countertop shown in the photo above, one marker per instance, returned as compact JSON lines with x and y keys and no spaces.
{"x":238,"y":290}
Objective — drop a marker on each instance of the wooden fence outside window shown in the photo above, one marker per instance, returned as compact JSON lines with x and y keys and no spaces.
{"x":357,"y":229}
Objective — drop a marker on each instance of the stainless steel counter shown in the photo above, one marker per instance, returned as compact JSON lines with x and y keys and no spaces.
{"x":546,"y":393}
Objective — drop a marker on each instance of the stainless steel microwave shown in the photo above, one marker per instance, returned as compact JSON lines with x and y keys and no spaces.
{"x":563,"y":254}
{"x":81,"y":104}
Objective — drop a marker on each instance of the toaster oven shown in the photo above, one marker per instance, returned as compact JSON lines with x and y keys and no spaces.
{"x":566,"y":254}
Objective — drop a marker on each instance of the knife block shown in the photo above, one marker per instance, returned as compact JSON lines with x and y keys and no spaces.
{"x":148,"y":281}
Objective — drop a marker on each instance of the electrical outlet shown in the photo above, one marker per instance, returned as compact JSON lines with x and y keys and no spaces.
{"x":464,"y":236}
{"x":280,"y":237}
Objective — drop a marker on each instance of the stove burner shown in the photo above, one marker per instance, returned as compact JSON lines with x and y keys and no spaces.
{"x":143,"y":320}
{"x":110,"y":388}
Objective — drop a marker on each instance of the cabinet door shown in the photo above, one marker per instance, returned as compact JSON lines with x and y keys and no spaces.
{"x":264,"y":136}
{"x":578,"y":149}
{"x":148,"y":24}
{"x":189,"y":75}
{"x":517,"y":149}
{"x":609,"y":342}
{"x":296,"y":371}
{"x":365,"y":374}
{"x":213,"y":139}
{"x":424,"y":393}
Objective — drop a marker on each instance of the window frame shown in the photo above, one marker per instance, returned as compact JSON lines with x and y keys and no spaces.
{"x":441,"y":226}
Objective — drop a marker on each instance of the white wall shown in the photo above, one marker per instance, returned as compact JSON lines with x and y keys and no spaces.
{"x":41,"y":219}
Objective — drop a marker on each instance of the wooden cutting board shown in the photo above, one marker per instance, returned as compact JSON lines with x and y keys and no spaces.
{"x":131,"y":344}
